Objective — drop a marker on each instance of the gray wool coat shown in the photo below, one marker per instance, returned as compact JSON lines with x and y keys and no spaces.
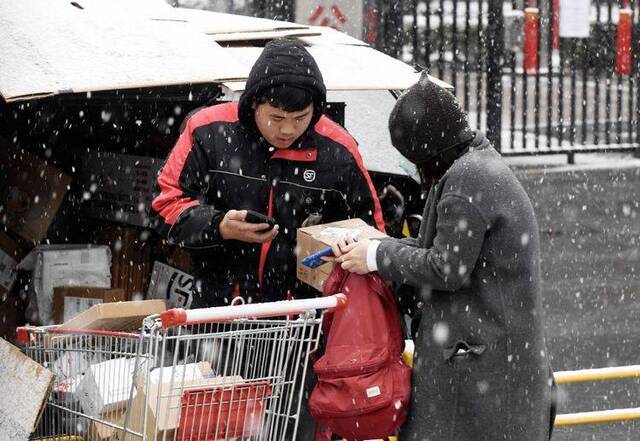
{"x":480,"y":369}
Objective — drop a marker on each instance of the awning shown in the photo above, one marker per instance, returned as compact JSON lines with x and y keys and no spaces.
{"x":345,"y":67}
{"x":50,"y":47}
{"x":53,"y":47}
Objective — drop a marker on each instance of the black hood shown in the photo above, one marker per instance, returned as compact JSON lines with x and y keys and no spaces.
{"x":427,"y":121}
{"x":283,"y":62}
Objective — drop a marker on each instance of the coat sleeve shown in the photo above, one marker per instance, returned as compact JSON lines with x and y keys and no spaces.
{"x":179,"y":211}
{"x":448,"y":264}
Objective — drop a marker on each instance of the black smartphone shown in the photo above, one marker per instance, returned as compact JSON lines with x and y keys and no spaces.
{"x":258,"y":218}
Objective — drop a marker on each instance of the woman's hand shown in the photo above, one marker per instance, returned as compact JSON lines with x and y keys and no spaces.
{"x":351,"y":255}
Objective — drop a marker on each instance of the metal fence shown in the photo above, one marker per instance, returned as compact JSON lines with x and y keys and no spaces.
{"x":573,"y":100}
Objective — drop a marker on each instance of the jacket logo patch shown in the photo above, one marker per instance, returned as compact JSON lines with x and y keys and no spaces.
{"x":373,"y":392}
{"x":309,"y":175}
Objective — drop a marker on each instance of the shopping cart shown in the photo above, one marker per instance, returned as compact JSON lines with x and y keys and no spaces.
{"x":226,"y":373}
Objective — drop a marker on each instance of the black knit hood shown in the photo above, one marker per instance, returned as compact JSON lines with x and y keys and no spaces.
{"x":427,"y":121}
{"x":283,"y":62}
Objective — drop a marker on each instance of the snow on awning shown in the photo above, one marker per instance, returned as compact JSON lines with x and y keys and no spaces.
{"x":345,"y":67}
{"x":329,"y":36}
{"x":49,"y":47}
{"x":220,"y":23}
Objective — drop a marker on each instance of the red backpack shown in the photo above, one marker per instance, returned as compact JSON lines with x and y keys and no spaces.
{"x":363,"y":386}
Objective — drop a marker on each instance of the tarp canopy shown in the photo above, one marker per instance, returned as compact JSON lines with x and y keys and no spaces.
{"x":53,"y":47}
{"x":345,"y":67}
{"x":49,"y":47}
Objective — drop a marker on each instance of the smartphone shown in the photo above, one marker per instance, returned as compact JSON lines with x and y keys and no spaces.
{"x":254,"y":217}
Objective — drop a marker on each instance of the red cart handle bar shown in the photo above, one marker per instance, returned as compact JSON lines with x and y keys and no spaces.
{"x":179,"y":317}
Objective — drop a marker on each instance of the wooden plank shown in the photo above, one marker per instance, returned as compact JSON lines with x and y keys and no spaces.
{"x":262,"y":35}
{"x":25,"y":386}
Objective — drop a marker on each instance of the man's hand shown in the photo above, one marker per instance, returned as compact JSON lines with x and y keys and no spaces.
{"x":351,"y":255}
{"x":233,"y":226}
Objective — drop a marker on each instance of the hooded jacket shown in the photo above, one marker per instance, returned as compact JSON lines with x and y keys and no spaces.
{"x":481,"y":371}
{"x":220,"y":162}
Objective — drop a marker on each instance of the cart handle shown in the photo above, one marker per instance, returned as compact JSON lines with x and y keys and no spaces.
{"x":178,"y":316}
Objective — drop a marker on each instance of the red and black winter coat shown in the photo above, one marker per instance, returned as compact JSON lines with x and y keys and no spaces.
{"x":221,"y":162}
{"x":218,"y":165}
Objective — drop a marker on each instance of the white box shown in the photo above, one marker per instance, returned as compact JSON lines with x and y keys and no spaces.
{"x":107,"y":386}
{"x":170,"y":284}
{"x":64,"y":265}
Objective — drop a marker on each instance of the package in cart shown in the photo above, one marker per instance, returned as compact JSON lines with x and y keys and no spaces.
{"x":234,"y":411}
{"x":116,"y":316}
{"x":162,"y":396}
{"x":105,"y":431}
{"x":108,"y":386}
{"x":69,"y":369}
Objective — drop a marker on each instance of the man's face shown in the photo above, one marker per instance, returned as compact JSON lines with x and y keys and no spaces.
{"x":281,"y":128}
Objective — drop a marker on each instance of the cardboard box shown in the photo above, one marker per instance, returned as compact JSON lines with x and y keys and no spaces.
{"x":63,"y":265}
{"x":120,"y":316}
{"x":108,"y":386}
{"x":312,"y":239}
{"x":69,"y":301}
{"x":121,"y":186}
{"x":171,"y":284}
{"x":31,"y":192}
{"x":25,"y":386}
{"x":104,"y":432}
{"x":163,"y":397}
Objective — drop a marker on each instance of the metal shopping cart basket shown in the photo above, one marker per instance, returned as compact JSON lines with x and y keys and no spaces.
{"x":227,"y":373}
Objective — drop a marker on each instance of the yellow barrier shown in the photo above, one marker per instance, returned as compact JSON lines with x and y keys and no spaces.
{"x":602,"y":374}
{"x":600,"y":416}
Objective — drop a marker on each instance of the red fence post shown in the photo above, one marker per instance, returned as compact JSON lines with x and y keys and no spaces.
{"x":531,"y":30}
{"x":623,"y":42}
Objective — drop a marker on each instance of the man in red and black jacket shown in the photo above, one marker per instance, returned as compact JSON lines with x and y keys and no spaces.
{"x":274,"y":152}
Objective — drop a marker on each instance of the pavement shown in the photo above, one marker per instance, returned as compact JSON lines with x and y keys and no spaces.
{"x":589,"y":218}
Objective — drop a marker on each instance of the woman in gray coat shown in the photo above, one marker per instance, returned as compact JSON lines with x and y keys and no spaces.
{"x":480,"y":371}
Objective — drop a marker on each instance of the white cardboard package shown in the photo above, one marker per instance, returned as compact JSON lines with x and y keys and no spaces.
{"x":107,"y":386}
{"x":63,"y":265}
